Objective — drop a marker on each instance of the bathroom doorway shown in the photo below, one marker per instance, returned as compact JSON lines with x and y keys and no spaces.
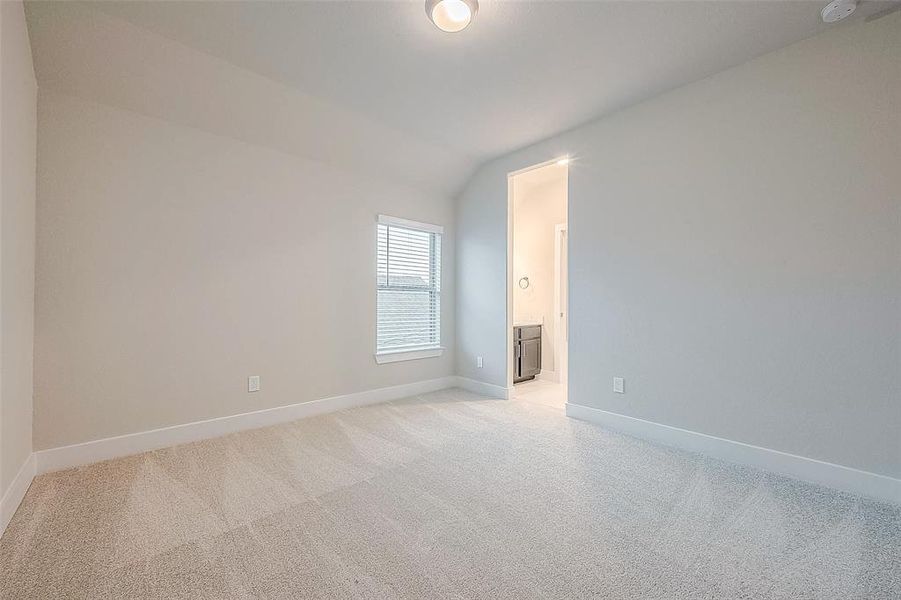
{"x":537,"y":283}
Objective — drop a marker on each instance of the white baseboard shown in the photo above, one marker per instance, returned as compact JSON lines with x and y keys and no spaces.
{"x":85,"y":453}
{"x":16,"y":492}
{"x":485,"y":389}
{"x":848,"y":479}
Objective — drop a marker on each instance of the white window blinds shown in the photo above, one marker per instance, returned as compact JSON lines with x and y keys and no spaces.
{"x":408,"y":278}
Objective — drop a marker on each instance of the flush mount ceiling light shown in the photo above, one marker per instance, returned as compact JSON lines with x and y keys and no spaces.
{"x":451,"y":15}
{"x":838,"y":10}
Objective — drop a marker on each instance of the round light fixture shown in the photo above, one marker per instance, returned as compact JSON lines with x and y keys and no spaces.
{"x":451,"y":15}
{"x":838,"y":10}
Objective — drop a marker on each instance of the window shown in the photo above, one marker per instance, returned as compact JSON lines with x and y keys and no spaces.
{"x":408,"y":280}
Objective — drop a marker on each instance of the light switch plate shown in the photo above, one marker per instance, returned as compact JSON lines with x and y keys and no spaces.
{"x":253,"y":383}
{"x":619,"y":385}
{"x":479,"y":362}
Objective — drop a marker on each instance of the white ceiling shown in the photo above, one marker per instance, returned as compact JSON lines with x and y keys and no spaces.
{"x":346,"y":81}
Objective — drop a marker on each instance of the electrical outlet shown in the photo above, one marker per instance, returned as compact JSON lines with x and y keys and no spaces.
{"x":619,"y":385}
{"x":479,"y":362}
{"x":253,"y":383}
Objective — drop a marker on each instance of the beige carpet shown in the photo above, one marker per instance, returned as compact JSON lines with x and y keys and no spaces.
{"x":448,"y":495}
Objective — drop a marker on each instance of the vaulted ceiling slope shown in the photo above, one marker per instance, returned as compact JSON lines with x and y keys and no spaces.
{"x":375,"y":87}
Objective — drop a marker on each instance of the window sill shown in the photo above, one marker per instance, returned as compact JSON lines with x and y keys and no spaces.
{"x":400,"y":355}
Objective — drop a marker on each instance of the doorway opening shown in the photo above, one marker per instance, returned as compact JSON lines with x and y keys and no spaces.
{"x":537,"y":283}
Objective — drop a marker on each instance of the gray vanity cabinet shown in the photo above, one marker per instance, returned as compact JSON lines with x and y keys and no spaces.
{"x":526,"y":352}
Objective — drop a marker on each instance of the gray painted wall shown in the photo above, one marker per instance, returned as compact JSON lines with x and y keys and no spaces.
{"x":735,"y":253}
{"x":173,"y":263}
{"x":17,"y":206}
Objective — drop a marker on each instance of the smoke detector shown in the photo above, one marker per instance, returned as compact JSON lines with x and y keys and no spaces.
{"x":838,"y":10}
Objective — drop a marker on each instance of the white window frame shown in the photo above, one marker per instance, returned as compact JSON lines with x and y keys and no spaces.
{"x":390,"y":356}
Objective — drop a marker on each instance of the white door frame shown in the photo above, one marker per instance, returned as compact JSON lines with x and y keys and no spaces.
{"x":561,"y":302}
{"x":510,"y":199}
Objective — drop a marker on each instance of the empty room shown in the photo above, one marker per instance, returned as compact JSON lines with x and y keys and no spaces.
{"x":450,"y":299}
